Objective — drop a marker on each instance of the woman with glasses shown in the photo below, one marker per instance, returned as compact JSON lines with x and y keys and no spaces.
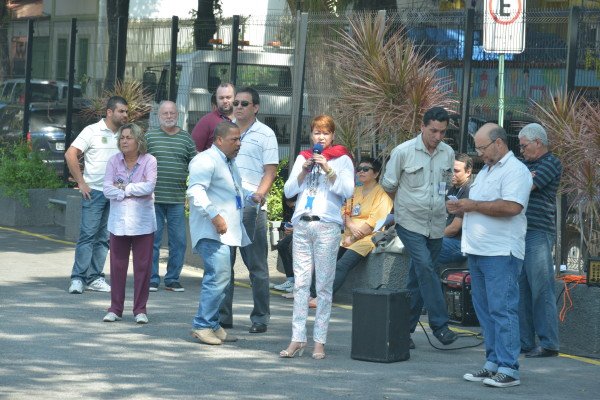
{"x":369,"y":204}
{"x":322,"y":179}
{"x":129,"y":184}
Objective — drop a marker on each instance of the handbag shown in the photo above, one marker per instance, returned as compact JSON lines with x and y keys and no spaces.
{"x":387,"y":242}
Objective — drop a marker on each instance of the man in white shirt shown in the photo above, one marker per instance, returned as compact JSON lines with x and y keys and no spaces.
{"x":494,"y":227}
{"x":97,"y":143}
{"x":257,"y":163}
{"x":216,"y":212}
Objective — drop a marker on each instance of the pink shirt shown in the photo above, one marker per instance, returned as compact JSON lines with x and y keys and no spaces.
{"x":131,"y":208}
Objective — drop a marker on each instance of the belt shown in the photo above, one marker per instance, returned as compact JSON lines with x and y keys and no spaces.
{"x":309,"y":218}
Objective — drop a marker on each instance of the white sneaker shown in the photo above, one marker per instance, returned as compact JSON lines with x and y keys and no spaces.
{"x":99,"y":285}
{"x":141,"y":318}
{"x":111,"y":317}
{"x":76,"y":287}
{"x":287,"y":286}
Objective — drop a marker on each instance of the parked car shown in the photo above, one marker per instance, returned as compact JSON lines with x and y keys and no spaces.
{"x":47,"y":125}
{"x":13,"y":90}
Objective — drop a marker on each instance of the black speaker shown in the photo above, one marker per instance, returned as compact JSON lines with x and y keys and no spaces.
{"x":380,"y":325}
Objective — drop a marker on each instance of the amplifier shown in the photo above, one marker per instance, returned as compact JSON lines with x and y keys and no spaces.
{"x":380,"y":325}
{"x":456,"y":285}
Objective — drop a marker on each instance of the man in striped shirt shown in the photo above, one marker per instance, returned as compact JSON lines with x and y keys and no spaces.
{"x":173,"y":149}
{"x":537,"y":302}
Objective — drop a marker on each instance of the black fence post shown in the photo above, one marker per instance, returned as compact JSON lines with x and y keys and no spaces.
{"x":466,"y":80}
{"x":121,"y":48}
{"x":173,"y":69}
{"x":298,"y":86}
{"x":235,"y":35}
{"x":28,"y":61}
{"x":69,"y":122}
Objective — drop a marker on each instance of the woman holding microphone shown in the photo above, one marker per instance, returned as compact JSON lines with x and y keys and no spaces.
{"x":322,"y":179}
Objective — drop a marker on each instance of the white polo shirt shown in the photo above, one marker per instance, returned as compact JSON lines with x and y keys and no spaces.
{"x":259,"y":148}
{"x":510,"y":180}
{"x":98,"y":144}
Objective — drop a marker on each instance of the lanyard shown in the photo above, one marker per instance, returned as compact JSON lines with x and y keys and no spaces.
{"x":230,"y":166}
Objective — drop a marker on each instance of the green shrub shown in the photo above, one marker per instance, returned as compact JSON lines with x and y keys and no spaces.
{"x":274,"y":201}
{"x":22,"y":169}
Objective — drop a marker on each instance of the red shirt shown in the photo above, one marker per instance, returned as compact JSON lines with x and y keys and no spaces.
{"x":204,"y":131}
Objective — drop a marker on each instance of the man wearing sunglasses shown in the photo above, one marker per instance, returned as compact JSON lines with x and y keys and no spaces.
{"x":203,"y":133}
{"x":257,"y":162}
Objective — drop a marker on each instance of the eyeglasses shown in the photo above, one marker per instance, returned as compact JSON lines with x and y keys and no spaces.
{"x":481,"y":149}
{"x":363,"y":169}
{"x":523,"y":146}
{"x":244,"y":103}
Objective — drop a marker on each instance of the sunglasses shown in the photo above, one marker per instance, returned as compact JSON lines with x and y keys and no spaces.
{"x":244,"y":103}
{"x":363,"y":169}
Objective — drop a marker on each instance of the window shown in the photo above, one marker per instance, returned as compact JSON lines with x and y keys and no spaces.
{"x":62,"y":58}
{"x":82,"y":57}
{"x":264,"y":78}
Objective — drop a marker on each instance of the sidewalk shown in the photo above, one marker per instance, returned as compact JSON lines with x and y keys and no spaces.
{"x":53,"y":345}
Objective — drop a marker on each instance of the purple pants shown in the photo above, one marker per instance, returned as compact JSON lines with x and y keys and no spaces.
{"x":141,"y":246}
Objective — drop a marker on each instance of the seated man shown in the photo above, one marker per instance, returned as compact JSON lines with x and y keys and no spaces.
{"x":461,"y":181}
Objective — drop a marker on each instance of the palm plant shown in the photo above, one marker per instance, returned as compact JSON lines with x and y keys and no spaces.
{"x":385,"y":81}
{"x":573,"y":126}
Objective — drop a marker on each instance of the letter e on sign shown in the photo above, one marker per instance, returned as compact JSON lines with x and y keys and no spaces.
{"x":504,"y":26}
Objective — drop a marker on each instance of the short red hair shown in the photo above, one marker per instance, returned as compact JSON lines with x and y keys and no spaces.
{"x":324,"y":122}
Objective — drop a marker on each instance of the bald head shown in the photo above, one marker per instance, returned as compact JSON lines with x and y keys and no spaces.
{"x":491,"y":143}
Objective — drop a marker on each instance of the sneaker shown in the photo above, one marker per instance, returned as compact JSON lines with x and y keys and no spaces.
{"x":141,"y":318}
{"x":478,"y":376}
{"x":99,"y":285}
{"x":111,"y":317}
{"x":501,"y":380}
{"x":76,"y":287}
{"x":207,"y":336}
{"x":445,"y":336}
{"x":287,"y":286}
{"x":174,"y":287}
{"x":288,"y":295}
{"x":153,"y":287}
{"x":224,"y":336}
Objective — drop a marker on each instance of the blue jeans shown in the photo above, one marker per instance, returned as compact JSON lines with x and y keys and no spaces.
{"x":451,"y":253}
{"x":217,"y":272}
{"x":495,"y":292}
{"x":175,"y":216}
{"x":346,"y":261}
{"x":423,"y":282}
{"x":537,"y":305}
{"x":92,"y":245}
{"x":255,"y":258}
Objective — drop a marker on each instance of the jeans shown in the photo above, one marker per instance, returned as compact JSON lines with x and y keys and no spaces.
{"x":346,"y":261}
{"x":537,"y":304}
{"x":255,"y":258}
{"x":423,"y":282}
{"x":217,"y":272}
{"x":92,"y":245}
{"x":451,"y":253}
{"x":175,"y":216}
{"x":495,"y":293}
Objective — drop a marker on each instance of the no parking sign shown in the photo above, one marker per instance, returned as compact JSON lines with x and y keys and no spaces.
{"x":504,"y":26}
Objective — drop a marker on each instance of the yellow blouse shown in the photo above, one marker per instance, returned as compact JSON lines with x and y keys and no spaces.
{"x":370,"y":209}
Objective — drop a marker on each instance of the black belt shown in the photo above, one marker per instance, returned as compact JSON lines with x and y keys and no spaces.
{"x":309,"y":218}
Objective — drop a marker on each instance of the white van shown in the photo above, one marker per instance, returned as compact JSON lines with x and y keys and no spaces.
{"x":200,"y":73}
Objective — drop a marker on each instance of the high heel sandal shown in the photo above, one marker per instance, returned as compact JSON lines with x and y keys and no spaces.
{"x":319,"y":355}
{"x":298,"y":351}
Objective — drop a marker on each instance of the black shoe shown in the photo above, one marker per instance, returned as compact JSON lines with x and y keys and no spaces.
{"x":539,"y":352}
{"x":478,"y":376}
{"x":258,"y":328}
{"x":445,"y":336}
{"x":174,"y":287}
{"x":153,"y":287}
{"x":226,"y":326}
{"x":501,"y":380}
{"x":411,"y":344}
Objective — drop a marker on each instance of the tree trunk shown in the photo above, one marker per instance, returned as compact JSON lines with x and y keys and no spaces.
{"x":205,"y":24}
{"x":114,"y":10}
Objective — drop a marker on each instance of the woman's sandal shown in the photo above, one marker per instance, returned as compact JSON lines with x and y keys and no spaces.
{"x":298,"y":351}
{"x":318,"y":356}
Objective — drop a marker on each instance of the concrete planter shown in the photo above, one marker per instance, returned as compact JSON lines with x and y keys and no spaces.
{"x":39,"y":213}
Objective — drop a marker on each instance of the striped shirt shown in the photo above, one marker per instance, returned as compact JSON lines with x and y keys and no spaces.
{"x":541,"y":209}
{"x":259,"y":148}
{"x":173,"y":154}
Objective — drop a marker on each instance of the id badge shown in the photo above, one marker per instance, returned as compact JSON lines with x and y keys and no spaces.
{"x":309,"y":202}
{"x":238,"y":202}
{"x":442,"y":188}
{"x":356,"y":210}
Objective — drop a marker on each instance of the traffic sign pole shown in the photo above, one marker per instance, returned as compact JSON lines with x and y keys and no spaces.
{"x":501,"y":89}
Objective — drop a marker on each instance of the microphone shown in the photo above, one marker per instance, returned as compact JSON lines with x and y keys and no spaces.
{"x":317,"y":149}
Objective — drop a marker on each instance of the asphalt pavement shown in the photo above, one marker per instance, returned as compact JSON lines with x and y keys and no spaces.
{"x":54,"y":345}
